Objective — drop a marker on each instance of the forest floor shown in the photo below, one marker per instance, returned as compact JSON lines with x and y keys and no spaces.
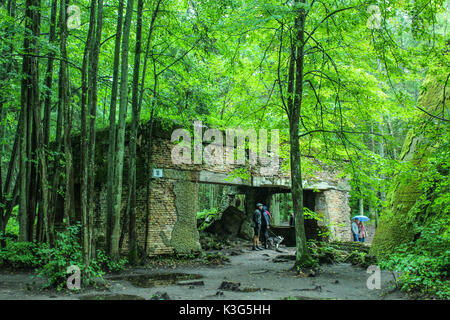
{"x":249,"y":275}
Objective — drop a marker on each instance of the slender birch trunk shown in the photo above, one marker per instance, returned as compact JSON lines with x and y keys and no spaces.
{"x":115,"y":230}
{"x":132,"y":236}
{"x":112,"y":130}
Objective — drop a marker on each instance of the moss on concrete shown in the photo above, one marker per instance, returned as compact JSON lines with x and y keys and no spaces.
{"x":185,"y":237}
{"x":164,"y":238}
{"x":395,"y":225}
{"x":392,"y":231}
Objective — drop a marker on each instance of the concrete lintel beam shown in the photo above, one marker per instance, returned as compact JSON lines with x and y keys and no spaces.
{"x":221,"y":178}
{"x":259,"y":181}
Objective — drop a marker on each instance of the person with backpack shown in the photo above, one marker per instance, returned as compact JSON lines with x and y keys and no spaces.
{"x":257,"y":220}
{"x":265,"y":225}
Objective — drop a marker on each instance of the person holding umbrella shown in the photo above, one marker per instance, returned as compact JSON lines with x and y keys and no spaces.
{"x":362,"y":232}
{"x":361,"y":235}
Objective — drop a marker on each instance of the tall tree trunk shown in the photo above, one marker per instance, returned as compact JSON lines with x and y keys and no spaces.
{"x":65,"y":106}
{"x":150,"y":131}
{"x":380,"y":127}
{"x":148,"y":163}
{"x":43,"y":137}
{"x":29,"y":101}
{"x":32,"y":170}
{"x":93,"y":70}
{"x":382,"y":192}
{"x":42,"y":161}
{"x":132,"y":236}
{"x":8,"y":66}
{"x":84,"y":138}
{"x":372,"y":212}
{"x":83,"y":161}
{"x":111,"y":197}
{"x":54,"y":195}
{"x":148,"y":173}
{"x":303,"y":256}
{"x":391,"y":133}
{"x":43,"y":217}
{"x":115,"y":230}
{"x":49,"y":74}
{"x":9,"y":176}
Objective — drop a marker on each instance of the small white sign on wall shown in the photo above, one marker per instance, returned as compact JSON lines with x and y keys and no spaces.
{"x":157,"y":173}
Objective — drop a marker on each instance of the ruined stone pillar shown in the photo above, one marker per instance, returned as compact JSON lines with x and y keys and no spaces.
{"x":246,"y":230}
{"x":250,"y":201}
{"x":275,"y":209}
{"x":338,"y":213}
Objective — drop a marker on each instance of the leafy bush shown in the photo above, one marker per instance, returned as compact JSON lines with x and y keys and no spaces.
{"x":323,"y":229}
{"x":12,"y":227}
{"x":206,"y":217}
{"x":362,"y":259}
{"x":66,"y":252}
{"x":424,"y":264}
{"x":107,"y":264}
{"x":210,"y":241}
{"x":320,"y":252}
{"x":354,"y":253}
{"x":53,"y":262}
{"x":19,"y":255}
{"x":216,"y":258}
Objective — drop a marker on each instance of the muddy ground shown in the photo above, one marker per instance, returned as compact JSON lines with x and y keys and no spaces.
{"x":252,"y":275}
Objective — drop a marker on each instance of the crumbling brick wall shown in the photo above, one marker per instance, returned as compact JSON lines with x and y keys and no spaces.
{"x":169,"y":224}
{"x":338,"y":214}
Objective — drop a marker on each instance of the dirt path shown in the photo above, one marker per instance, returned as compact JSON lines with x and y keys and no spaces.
{"x":259,"y":277}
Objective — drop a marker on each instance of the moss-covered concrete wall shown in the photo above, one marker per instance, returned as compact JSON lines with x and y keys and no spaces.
{"x":395,"y":225}
{"x":169,"y":224}
{"x":185,"y":237}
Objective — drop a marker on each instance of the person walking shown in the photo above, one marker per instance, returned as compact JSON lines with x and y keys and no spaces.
{"x":257,"y":220}
{"x":265,"y":224}
{"x":355,"y":230}
{"x":362,"y":232}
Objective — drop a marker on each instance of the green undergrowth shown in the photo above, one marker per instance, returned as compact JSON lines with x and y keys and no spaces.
{"x":191,"y":259}
{"x":334,"y":252}
{"x":413,"y":233}
{"x":206,"y":217}
{"x":210,"y":241}
{"x":423,"y":264}
{"x":52,"y":263}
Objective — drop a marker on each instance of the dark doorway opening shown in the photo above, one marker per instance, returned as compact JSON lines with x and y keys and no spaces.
{"x":311,"y":225}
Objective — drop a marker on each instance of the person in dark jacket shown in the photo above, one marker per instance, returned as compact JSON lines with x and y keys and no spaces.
{"x":257,"y":217}
{"x":265,"y":223}
{"x":292,"y":220}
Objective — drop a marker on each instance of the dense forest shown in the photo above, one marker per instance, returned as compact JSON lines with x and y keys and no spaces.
{"x":362,"y":86}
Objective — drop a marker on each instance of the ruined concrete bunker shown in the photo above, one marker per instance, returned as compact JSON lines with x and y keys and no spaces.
{"x":167,"y":194}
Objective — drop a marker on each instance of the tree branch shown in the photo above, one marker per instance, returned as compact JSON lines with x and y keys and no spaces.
{"x":109,"y":38}
{"x":324,"y":19}
{"x":431,"y":115}
{"x":339,"y":132}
